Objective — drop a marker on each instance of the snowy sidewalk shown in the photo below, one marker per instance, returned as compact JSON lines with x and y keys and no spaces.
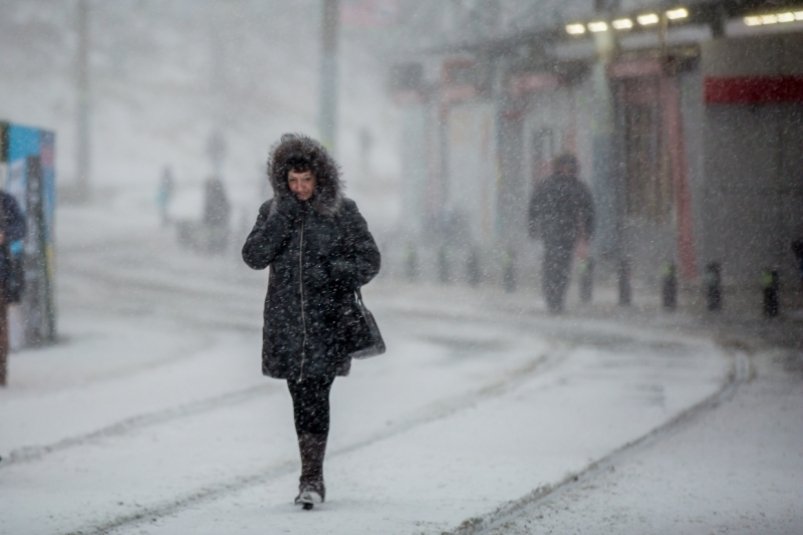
{"x":471,"y":408}
{"x":733,"y":470}
{"x":152,"y":416}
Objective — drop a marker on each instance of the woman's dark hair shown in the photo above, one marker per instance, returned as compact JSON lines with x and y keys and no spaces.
{"x":296,"y":152}
{"x":298,"y":163}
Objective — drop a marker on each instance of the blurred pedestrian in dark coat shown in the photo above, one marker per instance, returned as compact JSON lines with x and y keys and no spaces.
{"x":12,"y":229}
{"x":561,"y":213}
{"x":216,"y":215}
{"x":319,"y":251}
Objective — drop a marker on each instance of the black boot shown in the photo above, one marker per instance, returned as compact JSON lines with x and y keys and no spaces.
{"x":311,"y":489}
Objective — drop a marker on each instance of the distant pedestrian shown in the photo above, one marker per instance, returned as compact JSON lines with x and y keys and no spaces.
{"x":319,"y":251}
{"x":216,"y":215}
{"x":561,"y":213}
{"x":797,"y":250}
{"x":12,"y":229}
{"x":164,"y":195}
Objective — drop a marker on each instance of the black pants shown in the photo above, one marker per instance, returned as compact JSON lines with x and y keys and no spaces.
{"x":555,"y":275}
{"x":311,"y":404}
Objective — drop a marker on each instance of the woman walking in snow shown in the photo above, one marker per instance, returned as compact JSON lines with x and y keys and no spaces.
{"x":319,"y":251}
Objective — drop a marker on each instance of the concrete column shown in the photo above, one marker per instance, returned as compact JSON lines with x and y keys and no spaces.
{"x":607,"y":178}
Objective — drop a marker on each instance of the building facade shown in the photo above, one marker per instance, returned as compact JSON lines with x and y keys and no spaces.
{"x":688,"y":132}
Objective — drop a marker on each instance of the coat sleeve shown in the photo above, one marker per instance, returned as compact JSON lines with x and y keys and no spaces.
{"x":15,"y":226}
{"x":267,"y":238}
{"x":361,"y":262}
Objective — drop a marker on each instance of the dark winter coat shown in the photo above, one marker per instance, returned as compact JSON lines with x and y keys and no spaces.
{"x":12,"y":224}
{"x":560,"y":209}
{"x":319,"y":252}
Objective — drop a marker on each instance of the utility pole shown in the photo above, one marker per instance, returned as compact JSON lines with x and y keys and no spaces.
{"x":328,"y":96}
{"x":608,"y":178}
{"x":83,"y":141}
{"x":218,"y":88}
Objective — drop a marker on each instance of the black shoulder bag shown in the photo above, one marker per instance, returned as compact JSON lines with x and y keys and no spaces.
{"x":364,"y":338}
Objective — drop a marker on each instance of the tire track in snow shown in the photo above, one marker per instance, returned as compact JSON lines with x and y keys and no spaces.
{"x":441,"y":409}
{"x":30,"y":454}
{"x":437,"y":410}
{"x":493,"y":523}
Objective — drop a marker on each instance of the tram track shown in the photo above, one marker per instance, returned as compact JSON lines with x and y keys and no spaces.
{"x":498,"y":521}
{"x":437,"y":410}
{"x":185,"y":303}
{"x":33,"y":453}
{"x":28,"y":454}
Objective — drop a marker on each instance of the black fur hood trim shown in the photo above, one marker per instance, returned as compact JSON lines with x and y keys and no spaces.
{"x":329,"y":188}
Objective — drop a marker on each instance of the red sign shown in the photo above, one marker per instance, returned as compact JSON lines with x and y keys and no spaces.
{"x":753,"y":89}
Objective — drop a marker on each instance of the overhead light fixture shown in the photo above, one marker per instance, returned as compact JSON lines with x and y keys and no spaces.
{"x":598,"y":26}
{"x":773,"y":18}
{"x":677,"y":13}
{"x":622,"y":24}
{"x":648,"y":19}
{"x":575,"y":29}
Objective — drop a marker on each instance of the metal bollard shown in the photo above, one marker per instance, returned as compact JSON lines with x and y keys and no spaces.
{"x":586,"y":280}
{"x":624,"y":283}
{"x":797,"y":250}
{"x":712,"y":281}
{"x":473,"y":267}
{"x":443,"y":265}
{"x":669,"y":287}
{"x":509,"y":272}
{"x":770,"y":281}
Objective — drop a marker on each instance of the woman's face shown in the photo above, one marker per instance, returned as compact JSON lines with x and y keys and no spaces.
{"x":302,"y":184}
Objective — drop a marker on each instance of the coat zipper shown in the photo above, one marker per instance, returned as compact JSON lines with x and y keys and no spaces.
{"x":301,"y":295}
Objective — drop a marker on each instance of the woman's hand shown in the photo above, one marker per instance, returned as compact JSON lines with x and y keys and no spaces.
{"x":290,"y":208}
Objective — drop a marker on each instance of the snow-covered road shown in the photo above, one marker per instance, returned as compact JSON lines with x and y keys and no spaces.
{"x":152,"y":415}
{"x":734,"y":469}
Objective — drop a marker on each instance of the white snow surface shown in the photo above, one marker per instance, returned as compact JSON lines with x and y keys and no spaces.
{"x":733,"y":470}
{"x":151,"y":414}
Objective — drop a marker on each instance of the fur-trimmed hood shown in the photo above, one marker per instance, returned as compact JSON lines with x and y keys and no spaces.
{"x":329,"y":188}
